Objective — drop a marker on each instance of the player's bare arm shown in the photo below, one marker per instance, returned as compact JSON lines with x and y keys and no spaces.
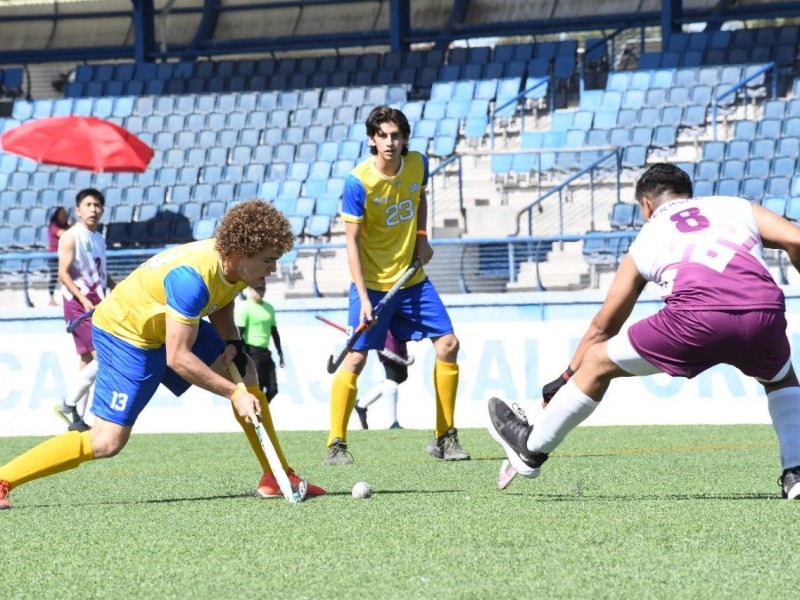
{"x":778,"y":233}
{"x":352,"y":233}
{"x":625,"y":289}
{"x":224,"y":323}
{"x":66,"y":256}
{"x":179,"y":341}
{"x":423,"y":250}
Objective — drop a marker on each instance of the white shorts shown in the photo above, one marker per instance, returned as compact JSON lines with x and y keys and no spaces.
{"x":624,"y":355}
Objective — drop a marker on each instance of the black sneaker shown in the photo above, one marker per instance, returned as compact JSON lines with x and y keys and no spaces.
{"x":446,"y":447}
{"x":790,"y":483}
{"x":362,"y":416}
{"x":71,"y":417}
{"x":337,"y":454}
{"x":395,"y":425}
{"x":509,"y":428}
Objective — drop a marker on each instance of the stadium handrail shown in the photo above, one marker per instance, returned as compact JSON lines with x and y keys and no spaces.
{"x":457,"y":273}
{"x":610,"y":151}
{"x":517,"y":98}
{"x":742,"y":84}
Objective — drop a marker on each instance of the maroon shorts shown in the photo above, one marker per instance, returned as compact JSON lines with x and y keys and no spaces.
{"x":82,"y":335}
{"x":686,"y":343}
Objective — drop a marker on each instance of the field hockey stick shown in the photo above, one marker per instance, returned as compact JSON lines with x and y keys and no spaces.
{"x":71,"y":325}
{"x":406,"y":362}
{"x":334,"y":364}
{"x":287,"y":489}
{"x":506,"y":475}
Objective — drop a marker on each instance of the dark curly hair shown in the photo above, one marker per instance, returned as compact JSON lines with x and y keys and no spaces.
{"x":386,"y":114}
{"x":663,"y":178}
{"x":249,"y":227}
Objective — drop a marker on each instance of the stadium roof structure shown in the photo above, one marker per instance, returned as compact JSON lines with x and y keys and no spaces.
{"x":148,"y":30}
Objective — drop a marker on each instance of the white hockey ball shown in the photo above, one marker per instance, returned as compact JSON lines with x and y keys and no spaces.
{"x":362,"y":490}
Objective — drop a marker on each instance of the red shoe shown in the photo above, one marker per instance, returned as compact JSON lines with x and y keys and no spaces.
{"x":269,"y":488}
{"x":313,"y":490}
{"x":4,"y":503}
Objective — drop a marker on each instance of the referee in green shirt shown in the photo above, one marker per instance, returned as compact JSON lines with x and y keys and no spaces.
{"x":255,"y":320}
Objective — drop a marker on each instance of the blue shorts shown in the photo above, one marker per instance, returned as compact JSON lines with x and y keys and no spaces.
{"x":128,"y":376}
{"x":415,"y":313}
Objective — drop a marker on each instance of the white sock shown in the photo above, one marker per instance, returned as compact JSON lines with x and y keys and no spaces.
{"x":390,"y":393}
{"x":568,"y":409}
{"x":85,"y":380}
{"x":371,"y":396}
{"x":784,"y":410}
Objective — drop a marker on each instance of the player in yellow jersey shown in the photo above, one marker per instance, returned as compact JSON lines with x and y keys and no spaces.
{"x":150,"y":331}
{"x":385,"y":213}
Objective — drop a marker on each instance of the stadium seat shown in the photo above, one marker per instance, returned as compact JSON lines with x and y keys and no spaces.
{"x":204,"y":228}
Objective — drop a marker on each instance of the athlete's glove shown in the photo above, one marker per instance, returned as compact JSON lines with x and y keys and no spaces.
{"x":550,"y":389}
{"x":240,"y":360}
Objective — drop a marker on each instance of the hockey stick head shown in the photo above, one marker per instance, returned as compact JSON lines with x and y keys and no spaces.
{"x":506,"y":475}
{"x":299,"y":492}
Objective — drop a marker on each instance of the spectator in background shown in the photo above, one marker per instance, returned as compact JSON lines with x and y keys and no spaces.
{"x":59,"y":223}
{"x":84,"y":280}
{"x":255,"y":320}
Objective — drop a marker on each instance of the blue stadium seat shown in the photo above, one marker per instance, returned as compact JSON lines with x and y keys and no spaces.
{"x":443,"y":145}
{"x":622,"y":214}
{"x":703,"y":188}
{"x":732,"y":169}
{"x":776,"y":205}
{"x":634,"y":157}
{"x":753,"y":189}
{"x":204,"y":228}
{"x":792,"y":210}
{"x":727,"y":187}
{"x":318,"y":226}
{"x":707,"y":170}
{"x":783,"y":166}
{"x":778,"y":186}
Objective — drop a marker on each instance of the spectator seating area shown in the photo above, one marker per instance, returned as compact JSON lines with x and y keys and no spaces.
{"x":289,"y":130}
{"x":743,"y":46}
{"x":416,"y":69}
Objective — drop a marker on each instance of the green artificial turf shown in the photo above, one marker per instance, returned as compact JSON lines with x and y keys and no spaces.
{"x":619,"y":512}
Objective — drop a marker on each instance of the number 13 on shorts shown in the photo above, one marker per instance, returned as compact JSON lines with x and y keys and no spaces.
{"x":119,"y":401}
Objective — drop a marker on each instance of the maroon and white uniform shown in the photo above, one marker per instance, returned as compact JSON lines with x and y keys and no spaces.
{"x":88,"y":271}
{"x":721,"y":303}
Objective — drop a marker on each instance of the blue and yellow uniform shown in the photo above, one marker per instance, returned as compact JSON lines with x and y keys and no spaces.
{"x":386,"y":208}
{"x":129,"y":327}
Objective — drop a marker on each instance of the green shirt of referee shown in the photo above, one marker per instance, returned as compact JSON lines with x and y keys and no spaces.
{"x":255,"y":320}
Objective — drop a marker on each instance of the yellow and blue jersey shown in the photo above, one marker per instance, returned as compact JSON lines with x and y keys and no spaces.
{"x":185,"y":282}
{"x":386,"y":208}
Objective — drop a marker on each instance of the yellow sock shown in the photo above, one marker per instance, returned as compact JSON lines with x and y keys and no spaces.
{"x":61,"y":453}
{"x":343,"y":399}
{"x":252,"y":437}
{"x":445,"y":382}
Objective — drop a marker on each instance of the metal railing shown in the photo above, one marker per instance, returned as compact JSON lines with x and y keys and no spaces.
{"x":459,"y":266}
{"x":743,"y":85}
{"x":520,"y":106}
{"x":590,"y":170}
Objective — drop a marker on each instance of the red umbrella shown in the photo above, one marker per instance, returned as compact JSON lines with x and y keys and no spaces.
{"x":81,"y":142}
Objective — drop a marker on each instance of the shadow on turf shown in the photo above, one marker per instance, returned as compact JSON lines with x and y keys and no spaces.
{"x":583,"y":497}
{"x":221,"y":497}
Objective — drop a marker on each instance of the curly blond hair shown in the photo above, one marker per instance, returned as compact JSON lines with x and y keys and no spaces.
{"x":249,"y":227}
